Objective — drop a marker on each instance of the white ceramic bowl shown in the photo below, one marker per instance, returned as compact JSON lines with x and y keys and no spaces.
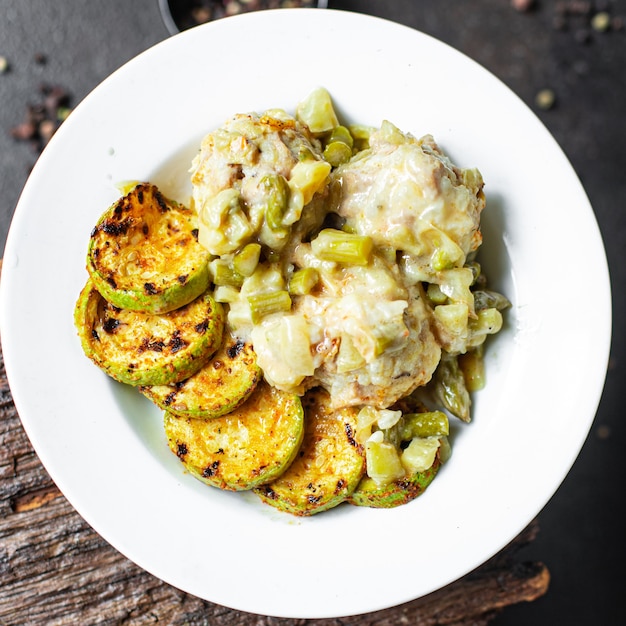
{"x":103,"y":443}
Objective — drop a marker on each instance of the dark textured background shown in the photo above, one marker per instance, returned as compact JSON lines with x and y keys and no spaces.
{"x":582,"y":527}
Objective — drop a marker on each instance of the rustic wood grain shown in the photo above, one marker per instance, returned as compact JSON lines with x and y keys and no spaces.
{"x":55,"y":570}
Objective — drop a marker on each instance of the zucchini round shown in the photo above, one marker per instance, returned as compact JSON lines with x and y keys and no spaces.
{"x":252,"y":445}
{"x":219,"y":387}
{"x":140,"y":349}
{"x":144,"y":254}
{"x":329,"y":465}
{"x":401,"y":491}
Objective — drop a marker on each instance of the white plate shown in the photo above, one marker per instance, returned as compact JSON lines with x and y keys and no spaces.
{"x":103,"y":444}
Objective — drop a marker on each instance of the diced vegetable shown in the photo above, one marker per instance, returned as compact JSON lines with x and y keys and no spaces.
{"x":317,"y":111}
{"x":448,"y":386}
{"x":396,"y":493}
{"x":303,"y":281}
{"x":247,"y":259}
{"x":383,"y":462}
{"x":340,"y":247}
{"x":473,"y":367}
{"x":277,"y":194}
{"x":263,"y":304}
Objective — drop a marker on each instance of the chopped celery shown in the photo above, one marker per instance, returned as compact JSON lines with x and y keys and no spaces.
{"x":429,"y":424}
{"x":223,"y":273}
{"x":263,"y":304}
{"x":340,"y":247}
{"x":303,"y":281}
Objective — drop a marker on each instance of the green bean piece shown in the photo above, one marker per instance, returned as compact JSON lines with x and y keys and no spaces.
{"x":277,"y":192}
{"x":341,"y":133}
{"x":486,"y":299}
{"x":430,"y":424}
{"x":263,"y":304}
{"x":472,"y":365}
{"x":449,"y":388}
{"x":223,"y":273}
{"x":247,"y":259}
{"x":338,"y":148}
{"x":341,"y":247}
{"x":337,"y":153}
{"x":303,"y":281}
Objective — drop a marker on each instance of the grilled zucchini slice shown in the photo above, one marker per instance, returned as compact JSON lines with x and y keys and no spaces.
{"x":252,"y":445}
{"x":399,"y":492}
{"x":144,"y":254}
{"x":415,"y":447}
{"x":329,"y":465}
{"x":142,"y":349}
{"x":219,"y":387}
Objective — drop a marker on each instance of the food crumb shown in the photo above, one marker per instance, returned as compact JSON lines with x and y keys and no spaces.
{"x":523,"y":6}
{"x":42,"y":120}
{"x":545,"y":99}
{"x":603,"y":432}
{"x":4,"y":65}
{"x":601,"y":22}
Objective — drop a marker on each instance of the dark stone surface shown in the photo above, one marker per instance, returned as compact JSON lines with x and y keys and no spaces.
{"x":581,"y":538}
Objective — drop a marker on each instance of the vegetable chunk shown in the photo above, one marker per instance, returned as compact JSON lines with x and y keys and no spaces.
{"x":252,"y":445}
{"x":329,"y":465}
{"x":144,"y":254}
{"x":396,"y":493}
{"x":219,"y":387}
{"x":141,"y":349}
